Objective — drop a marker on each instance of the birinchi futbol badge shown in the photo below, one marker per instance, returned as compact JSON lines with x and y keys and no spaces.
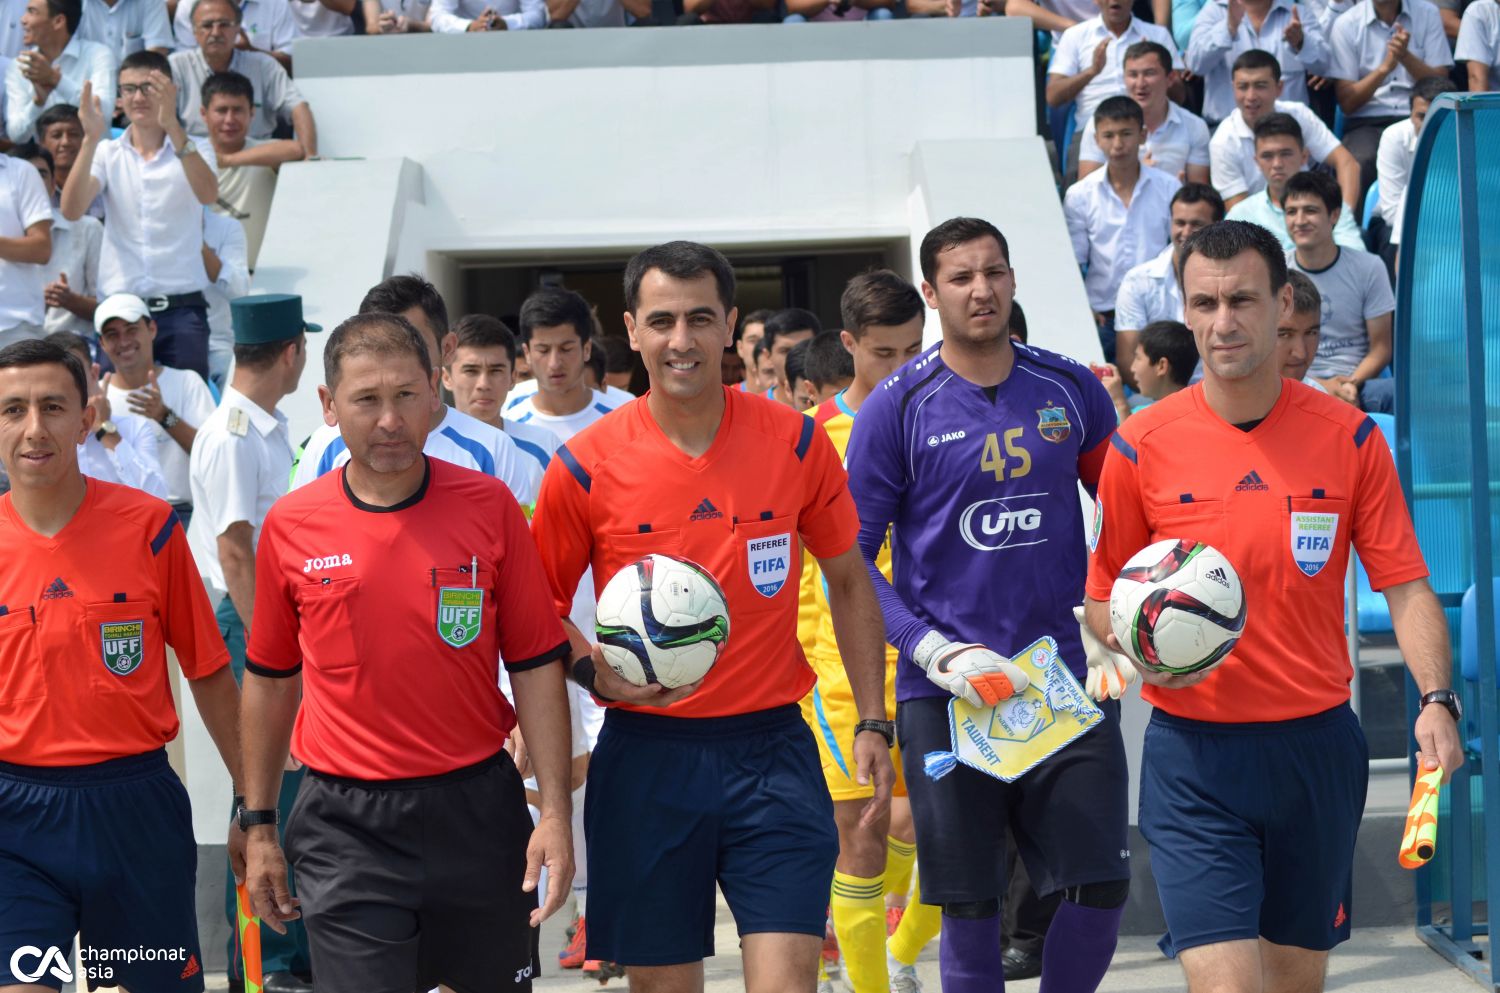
{"x":122,"y":645}
{"x":460,"y":614}
{"x":1052,"y":423}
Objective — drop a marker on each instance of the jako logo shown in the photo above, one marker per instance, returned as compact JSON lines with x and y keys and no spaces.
{"x":990,"y":525}
{"x":934,"y":440}
{"x":330,"y":562}
{"x":60,"y":970}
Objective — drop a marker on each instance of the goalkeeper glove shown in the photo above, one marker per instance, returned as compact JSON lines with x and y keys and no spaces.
{"x":972,"y":672}
{"x":1109,"y":673}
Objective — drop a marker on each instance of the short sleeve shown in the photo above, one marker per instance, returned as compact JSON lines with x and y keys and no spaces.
{"x":273,"y":649}
{"x":31,"y":199}
{"x":1382,"y":530}
{"x":530,"y":632}
{"x":188,"y":617}
{"x":1120,"y":526}
{"x":828,"y":521}
{"x":560,"y":527}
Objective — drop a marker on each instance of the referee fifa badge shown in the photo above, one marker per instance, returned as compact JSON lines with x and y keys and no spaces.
{"x":122,"y":644}
{"x":1052,"y":423}
{"x":460,"y":614}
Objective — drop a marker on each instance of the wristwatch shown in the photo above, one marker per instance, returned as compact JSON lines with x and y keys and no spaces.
{"x":250,"y":818}
{"x":1445,"y":698}
{"x":169,"y":420}
{"x":106,"y":427}
{"x":886,"y":729}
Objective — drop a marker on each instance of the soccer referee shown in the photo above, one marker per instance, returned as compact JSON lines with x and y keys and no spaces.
{"x":401,"y":581}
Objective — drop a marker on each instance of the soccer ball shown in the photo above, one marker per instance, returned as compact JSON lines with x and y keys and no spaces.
{"x":662,"y":620}
{"x":1177,"y":607}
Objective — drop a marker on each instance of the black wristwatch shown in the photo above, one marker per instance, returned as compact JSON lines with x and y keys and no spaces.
{"x":1446,"y":698}
{"x":251,"y":818}
{"x":886,"y":729}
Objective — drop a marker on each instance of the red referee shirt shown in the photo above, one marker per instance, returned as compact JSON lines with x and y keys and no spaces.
{"x":401,"y":639}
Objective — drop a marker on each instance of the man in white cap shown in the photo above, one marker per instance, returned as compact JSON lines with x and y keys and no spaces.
{"x":176,"y":401}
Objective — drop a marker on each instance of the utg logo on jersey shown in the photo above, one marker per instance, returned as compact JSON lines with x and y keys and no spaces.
{"x":327,"y":562}
{"x":934,"y":440}
{"x":1252,"y":481}
{"x":1008,"y":522}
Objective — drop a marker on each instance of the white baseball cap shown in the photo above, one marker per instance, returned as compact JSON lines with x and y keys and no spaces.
{"x":126,"y":306}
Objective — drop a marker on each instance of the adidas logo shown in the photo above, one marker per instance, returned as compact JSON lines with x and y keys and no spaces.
{"x":1252,"y":481}
{"x":56,"y":590}
{"x":1218,"y":576}
{"x":705,"y":511}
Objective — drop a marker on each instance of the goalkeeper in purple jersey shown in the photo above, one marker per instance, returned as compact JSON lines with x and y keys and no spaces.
{"x":972,"y":454}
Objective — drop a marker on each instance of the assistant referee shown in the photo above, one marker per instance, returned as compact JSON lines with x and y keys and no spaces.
{"x":401,"y":581}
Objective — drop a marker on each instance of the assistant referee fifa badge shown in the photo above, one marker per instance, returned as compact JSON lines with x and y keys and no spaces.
{"x":123,"y":645}
{"x":460,"y":614}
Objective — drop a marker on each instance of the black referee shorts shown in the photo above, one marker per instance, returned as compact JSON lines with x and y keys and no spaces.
{"x":410,"y":883}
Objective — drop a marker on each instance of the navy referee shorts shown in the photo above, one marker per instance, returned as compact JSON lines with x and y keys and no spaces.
{"x":1252,"y":827}
{"x":677,"y":804}
{"x":105,"y":851}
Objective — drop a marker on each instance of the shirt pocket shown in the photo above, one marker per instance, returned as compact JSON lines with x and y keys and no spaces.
{"x":1314,"y":546}
{"x":21,"y":676}
{"x":123,"y":636}
{"x":768,"y":563}
{"x":463,"y":605}
{"x":326,"y":613}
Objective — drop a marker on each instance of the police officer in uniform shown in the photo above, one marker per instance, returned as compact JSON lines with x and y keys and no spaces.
{"x":242,"y":458}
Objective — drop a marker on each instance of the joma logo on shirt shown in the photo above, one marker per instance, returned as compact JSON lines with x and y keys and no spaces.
{"x":327,"y":562}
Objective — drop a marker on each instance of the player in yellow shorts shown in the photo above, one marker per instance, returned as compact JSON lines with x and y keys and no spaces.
{"x":882,"y":316}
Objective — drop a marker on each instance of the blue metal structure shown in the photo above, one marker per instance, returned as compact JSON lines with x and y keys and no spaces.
{"x":1448,"y":446}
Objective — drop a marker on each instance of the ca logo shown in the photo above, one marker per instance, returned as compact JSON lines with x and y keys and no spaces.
{"x":60,"y":970}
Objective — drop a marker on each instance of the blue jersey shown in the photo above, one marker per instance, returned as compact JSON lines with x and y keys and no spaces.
{"x":980,"y":488}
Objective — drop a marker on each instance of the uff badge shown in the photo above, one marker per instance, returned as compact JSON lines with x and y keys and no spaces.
{"x":122,"y":645}
{"x":460,"y":614}
{"x":1312,"y":540}
{"x":770,"y":562}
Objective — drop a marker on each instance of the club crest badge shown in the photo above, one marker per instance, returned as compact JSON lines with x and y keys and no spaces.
{"x":460,"y":614}
{"x":1312,"y":540}
{"x":1052,"y":423}
{"x":122,"y":645}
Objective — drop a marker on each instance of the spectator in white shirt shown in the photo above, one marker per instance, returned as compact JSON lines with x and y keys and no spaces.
{"x":122,"y":448}
{"x":1225,"y":29}
{"x":25,"y":247}
{"x":53,"y":70}
{"x":228,"y":267}
{"x":399,"y":16}
{"x":154,"y":253}
{"x":1176,"y":138}
{"x":1479,"y":43}
{"x":126,"y":26}
{"x":1119,"y":216}
{"x":1149,"y":292}
{"x":247,"y":167}
{"x":1398,"y":147}
{"x":1280,"y":154}
{"x":1087,"y":64}
{"x":1380,"y":49}
{"x":458,"y":16}
{"x":1257,"y":93}
{"x":216,"y":24}
{"x":265,"y":26}
{"x":175,"y":401}
{"x":72,"y":273}
{"x":1358,"y":305}
{"x":323,"y":18}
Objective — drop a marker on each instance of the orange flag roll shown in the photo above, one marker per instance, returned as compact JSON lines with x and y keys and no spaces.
{"x":1419,"y":839}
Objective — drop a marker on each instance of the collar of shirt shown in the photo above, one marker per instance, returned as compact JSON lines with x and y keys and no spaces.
{"x":264,"y":421}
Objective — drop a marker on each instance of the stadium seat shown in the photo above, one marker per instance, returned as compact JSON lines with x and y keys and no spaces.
{"x":1373,"y":615}
{"x":1372,"y":200}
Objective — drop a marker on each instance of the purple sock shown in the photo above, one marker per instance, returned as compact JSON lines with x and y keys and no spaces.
{"x":969,"y":955}
{"x":1080,"y":944}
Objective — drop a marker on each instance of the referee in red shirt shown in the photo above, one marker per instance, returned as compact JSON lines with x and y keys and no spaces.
{"x":401,"y":581}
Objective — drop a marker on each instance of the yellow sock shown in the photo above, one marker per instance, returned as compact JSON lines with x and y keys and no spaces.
{"x":899,"y":857}
{"x":919,"y":925}
{"x":859,"y":922}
